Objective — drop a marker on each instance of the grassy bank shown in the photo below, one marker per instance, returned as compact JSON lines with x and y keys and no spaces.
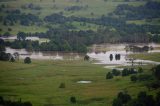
{"x":147,"y":56}
{"x":39,"y":83}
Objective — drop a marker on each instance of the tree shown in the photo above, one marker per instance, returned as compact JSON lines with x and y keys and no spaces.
{"x":116,"y":72}
{"x":12,"y":59}
{"x":16,"y":55}
{"x":73,"y":99}
{"x":62,"y":85}
{"x":158,"y":99}
{"x":133,"y":78}
{"x":140,"y":70}
{"x":86,"y":57}
{"x":117,"y":102}
{"x":124,"y":97}
{"x":9,"y":29}
{"x":27,"y":60}
{"x":157,"y":72}
{"x":111,"y":57}
{"x":21,"y":36}
{"x":2,"y":48}
{"x":6,"y":34}
{"x":109,"y":75}
{"x":125,"y":72}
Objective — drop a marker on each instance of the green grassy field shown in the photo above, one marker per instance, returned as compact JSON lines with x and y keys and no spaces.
{"x":147,"y":56}
{"x":48,"y":7}
{"x":39,"y":83}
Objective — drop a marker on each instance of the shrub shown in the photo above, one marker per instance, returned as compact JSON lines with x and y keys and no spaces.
{"x":125,"y":72}
{"x":133,"y":78}
{"x":158,"y":99}
{"x":157,"y":72}
{"x":117,"y":102}
{"x":140,"y":70}
{"x":132,"y":71}
{"x":73,"y":99}
{"x":116,"y":72}
{"x":86,"y":57}
{"x":27,"y":60}
{"x":62,"y":85}
{"x":109,"y":75}
{"x":12,"y":59}
{"x":124,"y":97}
{"x":145,"y":77}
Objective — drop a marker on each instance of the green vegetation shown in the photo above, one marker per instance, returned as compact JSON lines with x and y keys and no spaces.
{"x":27,"y":60}
{"x":39,"y":83}
{"x":147,"y":56}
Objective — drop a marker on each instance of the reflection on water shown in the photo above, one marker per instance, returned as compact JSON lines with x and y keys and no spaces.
{"x":44,"y":55}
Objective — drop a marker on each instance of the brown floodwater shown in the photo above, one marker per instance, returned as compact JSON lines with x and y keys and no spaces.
{"x":99,"y":53}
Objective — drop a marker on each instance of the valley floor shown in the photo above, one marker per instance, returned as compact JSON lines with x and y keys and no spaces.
{"x":39,"y":82}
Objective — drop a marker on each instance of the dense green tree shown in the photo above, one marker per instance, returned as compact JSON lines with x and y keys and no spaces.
{"x":111,"y":57}
{"x":2,"y":48}
{"x":125,"y":72}
{"x":115,"y":72}
{"x":117,"y":102}
{"x":12,"y":59}
{"x":157,"y":72}
{"x":27,"y":60}
{"x":124,"y":97}
{"x":109,"y":75}
{"x":86,"y":57}
{"x":134,"y":78}
{"x":62,"y":85}
{"x":6,"y":34}
{"x":73,"y":99}
{"x":140,"y":69}
{"x":21,"y":36}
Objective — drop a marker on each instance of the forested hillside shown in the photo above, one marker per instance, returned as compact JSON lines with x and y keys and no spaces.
{"x":81,"y":22}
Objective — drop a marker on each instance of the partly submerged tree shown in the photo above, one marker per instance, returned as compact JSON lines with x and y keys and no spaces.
{"x":27,"y":60}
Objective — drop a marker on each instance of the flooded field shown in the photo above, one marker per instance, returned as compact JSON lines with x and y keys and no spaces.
{"x":102,"y":54}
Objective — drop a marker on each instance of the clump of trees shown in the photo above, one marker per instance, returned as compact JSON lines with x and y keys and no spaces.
{"x":4,"y":102}
{"x":143,"y":99}
{"x":122,"y":98}
{"x":116,"y":72}
{"x":126,"y":71}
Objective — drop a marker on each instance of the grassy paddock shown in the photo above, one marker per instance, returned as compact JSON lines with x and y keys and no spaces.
{"x":39,"y":83}
{"x":147,"y":56}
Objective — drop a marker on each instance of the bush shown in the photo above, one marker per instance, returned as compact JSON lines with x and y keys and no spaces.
{"x":124,"y":97}
{"x":27,"y":60}
{"x":62,"y":85}
{"x":125,"y":72}
{"x":157,"y":72}
{"x":109,"y":75}
{"x":73,"y":99}
{"x":133,"y":78}
{"x":158,"y":99}
{"x":12,"y":59}
{"x":140,"y":70}
{"x":86,"y":57}
{"x":116,"y":72}
{"x":117,"y":102}
{"x":145,"y":77}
